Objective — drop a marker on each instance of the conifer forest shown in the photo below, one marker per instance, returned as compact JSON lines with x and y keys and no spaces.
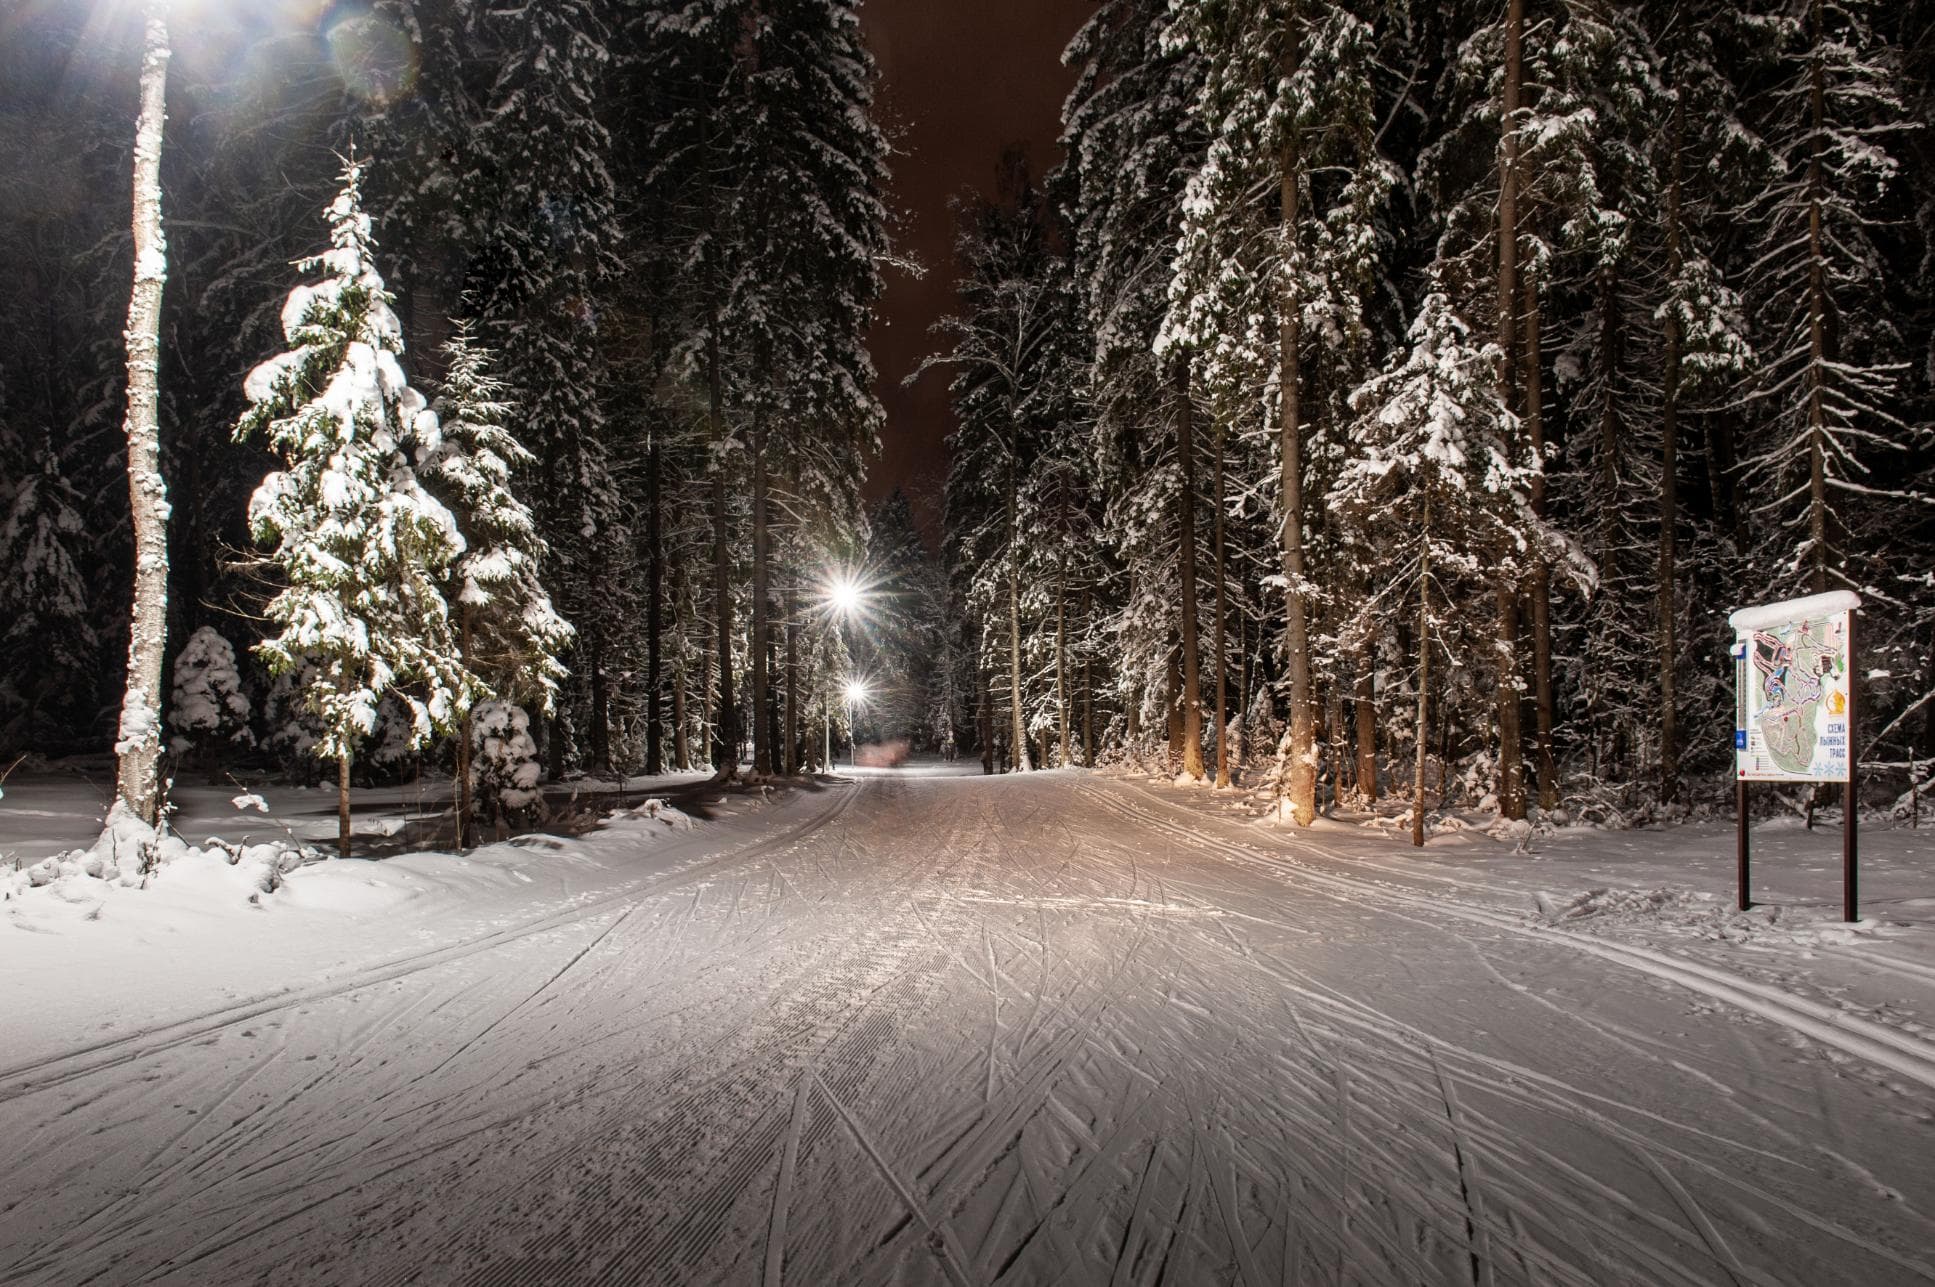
{"x":870,"y":643}
{"x":1371,"y":400}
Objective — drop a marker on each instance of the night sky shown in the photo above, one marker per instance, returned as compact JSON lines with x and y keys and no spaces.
{"x":960,"y":80}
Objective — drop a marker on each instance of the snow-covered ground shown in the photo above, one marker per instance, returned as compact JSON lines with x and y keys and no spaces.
{"x":928,"y":1028}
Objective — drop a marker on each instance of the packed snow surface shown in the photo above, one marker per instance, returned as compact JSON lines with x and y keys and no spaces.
{"x":924,"y":1028}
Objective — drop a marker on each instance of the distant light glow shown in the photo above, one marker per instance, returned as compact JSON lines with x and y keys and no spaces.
{"x":373,"y":55}
{"x":856,"y":691}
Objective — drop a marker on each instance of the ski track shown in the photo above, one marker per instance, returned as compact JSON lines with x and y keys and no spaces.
{"x":956,"y":1030}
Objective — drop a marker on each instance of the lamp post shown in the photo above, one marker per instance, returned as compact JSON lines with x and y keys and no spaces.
{"x":844,"y":599}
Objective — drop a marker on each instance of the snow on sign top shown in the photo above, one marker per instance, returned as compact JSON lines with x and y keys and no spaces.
{"x":1779,"y":614}
{"x":1793,"y":668}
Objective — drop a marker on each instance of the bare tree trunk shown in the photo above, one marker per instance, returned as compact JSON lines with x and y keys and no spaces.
{"x":725,"y":737}
{"x":1817,"y":306}
{"x":1668,"y":572}
{"x":138,"y":775}
{"x":1061,"y":655}
{"x":464,"y":733}
{"x":342,"y":805}
{"x":1222,"y":624}
{"x":1019,"y":743}
{"x":792,"y":756}
{"x":1511,"y":772}
{"x":984,"y":718}
{"x":600,"y":705}
{"x":654,"y":612}
{"x":1424,"y":682}
{"x":1172,"y":705}
{"x":1364,"y":698}
{"x":1301,"y":778}
{"x":1088,"y":700}
{"x":761,"y":609}
{"x":1192,"y":696}
{"x":1541,"y":582}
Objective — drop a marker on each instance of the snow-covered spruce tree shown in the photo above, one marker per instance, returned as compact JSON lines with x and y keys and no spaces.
{"x":1131,"y":146}
{"x":363,"y":551}
{"x":1703,"y":160}
{"x":1008,"y":348}
{"x":1438,"y":500}
{"x":1275,"y":269}
{"x":47,"y":641}
{"x":534,"y":216}
{"x":510,"y":636}
{"x":209,"y":708}
{"x":1833,"y":357}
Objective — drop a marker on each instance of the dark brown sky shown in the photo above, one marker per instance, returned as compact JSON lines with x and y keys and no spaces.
{"x":959,"y":80}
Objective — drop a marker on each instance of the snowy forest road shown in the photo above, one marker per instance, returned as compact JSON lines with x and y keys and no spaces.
{"x":1026,"y":1030}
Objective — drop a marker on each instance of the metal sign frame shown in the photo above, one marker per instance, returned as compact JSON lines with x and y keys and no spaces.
{"x":1749,"y":624}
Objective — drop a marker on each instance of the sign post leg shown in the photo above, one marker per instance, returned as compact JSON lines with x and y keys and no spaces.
{"x":1740,"y":842}
{"x":1850,"y":814}
{"x":1850,"y":856}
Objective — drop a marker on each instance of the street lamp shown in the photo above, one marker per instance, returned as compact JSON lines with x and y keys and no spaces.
{"x":845,"y":596}
{"x":856,"y":691}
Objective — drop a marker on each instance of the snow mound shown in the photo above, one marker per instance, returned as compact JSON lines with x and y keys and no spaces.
{"x":1694,"y":915}
{"x":659,"y":810}
{"x":131,"y":855}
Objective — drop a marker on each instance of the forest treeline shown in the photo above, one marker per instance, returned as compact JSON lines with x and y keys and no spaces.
{"x":1378,"y":398}
{"x":1386,"y":396}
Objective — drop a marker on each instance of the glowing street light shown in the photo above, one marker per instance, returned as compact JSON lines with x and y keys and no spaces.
{"x":856,"y":691}
{"x":845,"y":596}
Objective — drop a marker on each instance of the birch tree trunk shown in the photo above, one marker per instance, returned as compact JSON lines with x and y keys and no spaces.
{"x":138,"y":776}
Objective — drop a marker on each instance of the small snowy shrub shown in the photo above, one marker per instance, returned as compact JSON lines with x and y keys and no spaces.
{"x":504,"y":766}
{"x":209,"y":708}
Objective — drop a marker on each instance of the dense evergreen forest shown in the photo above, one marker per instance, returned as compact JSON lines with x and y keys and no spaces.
{"x":1379,"y":399}
{"x":1386,"y":397}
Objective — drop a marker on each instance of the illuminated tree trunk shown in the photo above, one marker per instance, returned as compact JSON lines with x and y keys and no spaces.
{"x":761,"y":609}
{"x":138,"y":779}
{"x":1018,"y":735}
{"x":725,"y":749}
{"x":1222,"y":625}
{"x":1300,"y":778}
{"x":1424,"y":685}
{"x":1192,"y":695}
